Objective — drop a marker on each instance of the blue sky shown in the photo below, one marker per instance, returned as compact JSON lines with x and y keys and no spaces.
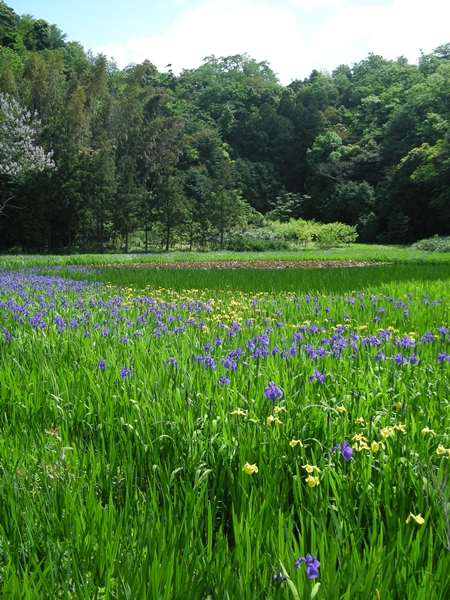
{"x":294,"y":36}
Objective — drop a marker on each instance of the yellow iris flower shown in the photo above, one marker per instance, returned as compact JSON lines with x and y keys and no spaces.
{"x":311,"y":468}
{"x":293,"y":443}
{"x":272,"y":419}
{"x":441,"y":450}
{"x":375,"y":446}
{"x":360,"y":445}
{"x":358,"y":437}
{"x":250,"y":469}
{"x":386,"y":432}
{"x":426,"y":430}
{"x":312,"y":481}
{"x":419,"y":519}
{"x":400,"y":427}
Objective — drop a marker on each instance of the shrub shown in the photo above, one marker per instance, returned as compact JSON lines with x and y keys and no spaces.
{"x":434,"y":244}
{"x":334,"y":234}
{"x":295,"y":230}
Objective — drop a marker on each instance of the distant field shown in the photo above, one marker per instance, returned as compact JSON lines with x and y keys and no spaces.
{"x":356,"y":252}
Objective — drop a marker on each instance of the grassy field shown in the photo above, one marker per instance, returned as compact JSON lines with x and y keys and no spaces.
{"x":191,"y":434}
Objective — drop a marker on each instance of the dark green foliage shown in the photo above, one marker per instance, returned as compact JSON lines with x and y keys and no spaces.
{"x":367,"y":146}
{"x":8,"y":25}
{"x":257,"y":240}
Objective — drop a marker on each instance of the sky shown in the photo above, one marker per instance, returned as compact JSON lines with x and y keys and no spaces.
{"x":293,"y":36}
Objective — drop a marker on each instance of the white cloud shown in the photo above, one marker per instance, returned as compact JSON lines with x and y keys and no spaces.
{"x":400,"y":29}
{"x":311,"y":5}
{"x":293,"y":47}
{"x":222,"y":28}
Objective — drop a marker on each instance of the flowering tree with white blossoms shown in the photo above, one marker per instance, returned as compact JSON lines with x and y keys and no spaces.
{"x":18,"y":149}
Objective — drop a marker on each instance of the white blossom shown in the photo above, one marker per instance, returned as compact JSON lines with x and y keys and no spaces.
{"x":18,"y":149}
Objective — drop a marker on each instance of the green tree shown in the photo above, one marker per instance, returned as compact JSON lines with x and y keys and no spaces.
{"x":8,"y":25}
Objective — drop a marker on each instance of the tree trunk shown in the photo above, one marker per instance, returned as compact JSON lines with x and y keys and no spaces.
{"x":167,"y":237}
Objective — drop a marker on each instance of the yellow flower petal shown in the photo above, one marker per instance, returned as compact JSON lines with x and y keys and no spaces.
{"x":312,"y":481}
{"x":386,"y":432}
{"x":238,"y":411}
{"x":293,"y":443}
{"x":250,"y":469}
{"x":375,"y":446}
{"x":341,"y":409}
{"x":278,"y":409}
{"x":400,"y":427}
{"x":398,"y":405}
{"x":418,"y":519}
{"x":311,"y":468}
{"x":272,"y":419}
{"x":360,"y":446}
{"x":358,"y":437}
{"x":426,"y":430}
{"x":360,"y":420}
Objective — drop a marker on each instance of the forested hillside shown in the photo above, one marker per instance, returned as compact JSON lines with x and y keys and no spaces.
{"x":97,"y":158}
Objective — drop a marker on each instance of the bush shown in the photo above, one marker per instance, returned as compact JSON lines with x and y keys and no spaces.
{"x":255,"y":240}
{"x":434,"y":244}
{"x":335,"y":234}
{"x":295,"y":230}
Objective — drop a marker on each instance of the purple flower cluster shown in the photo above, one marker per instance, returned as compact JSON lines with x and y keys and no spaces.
{"x":125,"y":372}
{"x":207,"y":360}
{"x":399,"y":359}
{"x":273,"y":392}
{"x":318,"y":376}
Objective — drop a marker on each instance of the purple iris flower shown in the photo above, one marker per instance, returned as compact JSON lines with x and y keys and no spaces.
{"x":318,"y":376}
{"x":272,"y":392}
{"x":6,"y":334}
{"x":279,"y":576}
{"x":125,"y":372}
{"x":101,"y":364}
{"x":427,"y":337}
{"x":399,"y":358}
{"x":345,"y":448}
{"x":171,"y":361}
{"x":229,"y":363}
{"x":312,"y":565}
{"x":223,"y":380}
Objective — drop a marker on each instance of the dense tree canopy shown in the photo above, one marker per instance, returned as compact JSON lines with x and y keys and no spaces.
{"x":144,"y":158}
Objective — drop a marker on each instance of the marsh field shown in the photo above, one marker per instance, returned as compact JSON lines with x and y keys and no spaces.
{"x":225,"y":429}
